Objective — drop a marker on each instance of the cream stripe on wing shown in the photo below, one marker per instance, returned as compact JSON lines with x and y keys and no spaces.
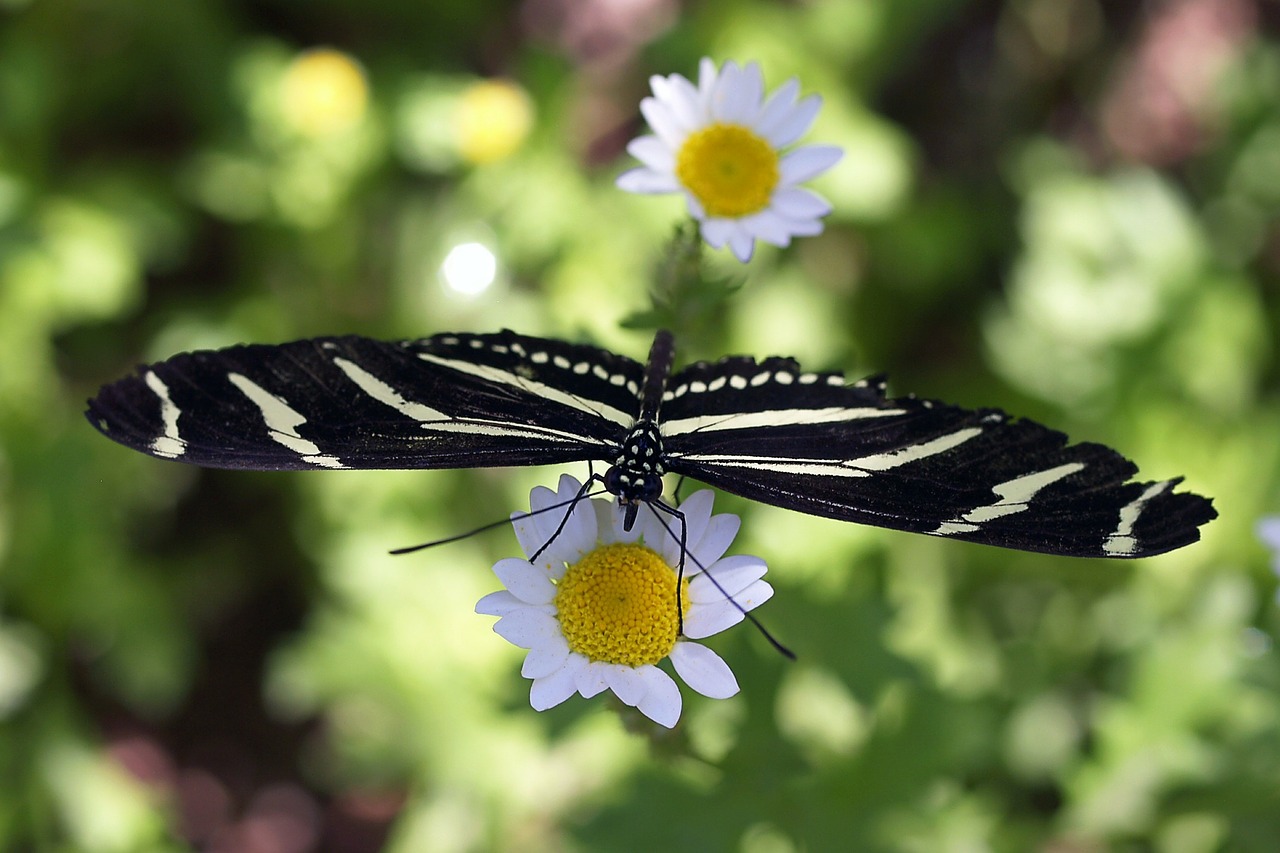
{"x":282,"y":422}
{"x":504,"y":377}
{"x":1015,"y":496}
{"x":774,"y":418}
{"x":861,"y":466}
{"x":384,"y":393}
{"x":169,"y":445}
{"x":1122,"y":541}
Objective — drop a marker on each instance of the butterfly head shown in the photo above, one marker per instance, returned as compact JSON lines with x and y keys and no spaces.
{"x":636,"y":475}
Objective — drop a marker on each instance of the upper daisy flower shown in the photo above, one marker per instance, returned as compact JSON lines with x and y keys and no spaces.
{"x":598,"y":608}
{"x":720,"y":143}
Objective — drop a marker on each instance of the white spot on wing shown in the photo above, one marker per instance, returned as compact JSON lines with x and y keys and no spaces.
{"x":170,"y":444}
{"x":282,"y":422}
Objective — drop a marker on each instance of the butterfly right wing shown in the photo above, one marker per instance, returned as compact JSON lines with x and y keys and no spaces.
{"x":807,"y":442}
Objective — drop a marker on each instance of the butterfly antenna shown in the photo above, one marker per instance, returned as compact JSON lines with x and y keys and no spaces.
{"x":747,"y":614}
{"x":519,"y":516}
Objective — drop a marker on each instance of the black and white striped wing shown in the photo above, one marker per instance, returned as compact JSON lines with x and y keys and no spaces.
{"x":448,"y":401}
{"x":806,"y":441}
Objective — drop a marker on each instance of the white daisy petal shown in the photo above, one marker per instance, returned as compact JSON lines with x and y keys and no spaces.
{"x":545,"y":521}
{"x":798,"y":203}
{"x":805,"y":227}
{"x":579,"y":533}
{"x":661,"y":702}
{"x":682,"y":98}
{"x":719,"y":93}
{"x":555,"y":688}
{"x":807,"y":162}
{"x":663,"y":122}
{"x":626,"y":683}
{"x":526,"y":582}
{"x":769,"y":227}
{"x":793,"y":124}
{"x":590,"y":679}
{"x":646,"y":182}
{"x":754,"y":595}
{"x":608,"y":521}
{"x":717,"y":232}
{"x":697,"y":513}
{"x":694,"y":206}
{"x":740,"y":96}
{"x":526,"y":531}
{"x":498,"y":603}
{"x":733,"y":574}
{"x":704,"y":670}
{"x":707,"y":76}
{"x":616,"y":516}
{"x":777,"y":109}
{"x":544,"y":660}
{"x":654,"y":153}
{"x":742,"y":244}
{"x":663,"y":532}
{"x":717,"y":538}
{"x":527,"y":628}
{"x":710,"y":619}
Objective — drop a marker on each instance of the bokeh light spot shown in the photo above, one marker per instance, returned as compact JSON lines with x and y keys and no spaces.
{"x":324,"y":92}
{"x":469,"y":268}
{"x":493,"y":119}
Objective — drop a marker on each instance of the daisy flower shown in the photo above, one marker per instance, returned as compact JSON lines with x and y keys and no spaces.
{"x":720,"y":143}
{"x":597,"y":609}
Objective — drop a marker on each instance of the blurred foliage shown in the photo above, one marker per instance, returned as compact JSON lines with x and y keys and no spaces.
{"x":1068,"y":208}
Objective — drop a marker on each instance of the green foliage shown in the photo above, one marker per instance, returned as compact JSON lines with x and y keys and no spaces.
{"x":185,"y":652}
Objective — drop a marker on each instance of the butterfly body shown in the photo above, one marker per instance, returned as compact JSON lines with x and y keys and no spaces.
{"x":766,"y":430}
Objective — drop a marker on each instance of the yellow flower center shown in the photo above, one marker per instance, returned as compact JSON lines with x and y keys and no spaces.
{"x":618,"y":605}
{"x":730,"y":169}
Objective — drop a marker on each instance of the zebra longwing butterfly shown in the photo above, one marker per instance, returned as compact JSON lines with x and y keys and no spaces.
{"x":765,"y":430}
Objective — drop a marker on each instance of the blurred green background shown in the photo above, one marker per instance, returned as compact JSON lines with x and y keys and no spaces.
{"x":1068,"y":208}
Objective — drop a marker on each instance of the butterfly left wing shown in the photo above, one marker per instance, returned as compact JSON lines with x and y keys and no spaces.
{"x":806,"y":441}
{"x":448,"y":401}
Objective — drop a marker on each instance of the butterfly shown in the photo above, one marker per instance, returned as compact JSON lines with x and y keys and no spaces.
{"x":763,"y":429}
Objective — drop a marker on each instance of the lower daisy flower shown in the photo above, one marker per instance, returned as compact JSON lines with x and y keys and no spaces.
{"x":597,"y":608}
